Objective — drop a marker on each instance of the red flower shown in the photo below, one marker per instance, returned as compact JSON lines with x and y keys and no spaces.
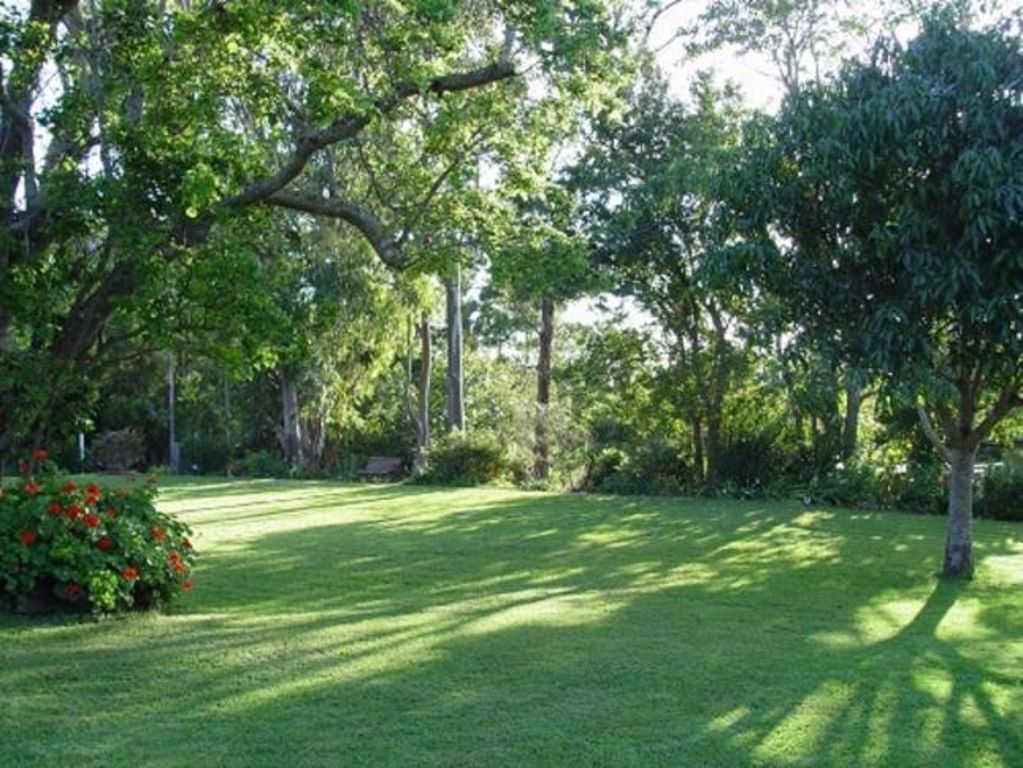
{"x":111,"y":513}
{"x":69,"y":488}
{"x":92,"y":494}
{"x":105,"y":544}
{"x":72,"y":590}
{"x":32,"y":488}
{"x":73,"y":512}
{"x":40,"y":454}
{"x":158,"y":533}
{"x":130,"y":573}
{"x":91,"y":521}
{"x":187,"y":585}
{"x":28,"y":538}
{"x":56,"y":509}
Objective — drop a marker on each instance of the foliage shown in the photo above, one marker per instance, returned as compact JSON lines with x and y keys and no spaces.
{"x":118,"y":450}
{"x":176,"y":130}
{"x":1001,"y":491}
{"x":103,"y":549}
{"x":261,"y":464}
{"x":466,"y":458}
{"x":867,"y":484}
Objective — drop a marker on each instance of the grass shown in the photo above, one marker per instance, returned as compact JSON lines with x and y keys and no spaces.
{"x":338,"y":625}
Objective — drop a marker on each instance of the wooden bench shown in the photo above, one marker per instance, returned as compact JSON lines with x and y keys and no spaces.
{"x":390,"y":467}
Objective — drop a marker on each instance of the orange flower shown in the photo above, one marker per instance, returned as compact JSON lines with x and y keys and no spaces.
{"x":28,"y":538}
{"x":158,"y":533}
{"x":186,"y":543}
{"x":187,"y":585}
{"x":130,"y":573}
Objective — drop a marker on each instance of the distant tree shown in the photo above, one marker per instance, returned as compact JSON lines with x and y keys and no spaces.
{"x":650,"y":185}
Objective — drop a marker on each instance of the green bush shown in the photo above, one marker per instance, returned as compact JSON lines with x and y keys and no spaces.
{"x":749,"y":463}
{"x":855,"y":485}
{"x":95,"y":548}
{"x":1001,"y":493}
{"x":466,"y":458}
{"x":918,"y":489}
{"x":205,"y":455}
{"x":261,"y":464}
{"x":118,"y":450}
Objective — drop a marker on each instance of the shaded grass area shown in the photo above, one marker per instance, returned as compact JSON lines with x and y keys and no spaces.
{"x":387,"y":625}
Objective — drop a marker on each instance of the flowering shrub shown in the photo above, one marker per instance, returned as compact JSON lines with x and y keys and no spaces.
{"x":89,"y":548}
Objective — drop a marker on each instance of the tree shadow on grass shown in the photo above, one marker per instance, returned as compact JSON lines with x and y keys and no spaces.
{"x":543,"y":630}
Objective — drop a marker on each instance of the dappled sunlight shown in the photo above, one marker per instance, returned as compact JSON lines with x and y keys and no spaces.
{"x":467,"y":622}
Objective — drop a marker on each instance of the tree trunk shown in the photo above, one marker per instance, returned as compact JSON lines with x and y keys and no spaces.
{"x":714,"y":450}
{"x":291,"y":436}
{"x":173,"y":451}
{"x":851,"y":425}
{"x":456,"y":374}
{"x":697,"y":449}
{"x":541,"y":449}
{"x":959,"y":542}
{"x":423,"y":404}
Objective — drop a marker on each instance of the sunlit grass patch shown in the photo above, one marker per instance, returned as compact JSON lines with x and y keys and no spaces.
{"x":384,"y":625}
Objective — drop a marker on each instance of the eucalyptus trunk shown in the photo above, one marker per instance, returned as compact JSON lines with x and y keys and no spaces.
{"x":423,"y":402}
{"x":541,"y":448}
{"x":697,"y":449}
{"x":291,"y":429}
{"x":455,"y":372}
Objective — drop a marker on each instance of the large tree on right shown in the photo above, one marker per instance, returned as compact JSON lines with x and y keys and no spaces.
{"x":890,"y":204}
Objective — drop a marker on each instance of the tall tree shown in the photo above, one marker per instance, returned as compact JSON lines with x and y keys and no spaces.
{"x":650,"y":185}
{"x":537,"y":264}
{"x":173,"y":127}
{"x":894,"y":194}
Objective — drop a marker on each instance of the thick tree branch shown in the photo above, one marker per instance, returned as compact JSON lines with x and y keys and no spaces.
{"x":1009,"y":398}
{"x":368,"y":224}
{"x":350,"y":125}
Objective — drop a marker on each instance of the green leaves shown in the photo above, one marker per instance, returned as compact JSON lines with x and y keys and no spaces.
{"x":199,"y":189}
{"x":893,"y":192}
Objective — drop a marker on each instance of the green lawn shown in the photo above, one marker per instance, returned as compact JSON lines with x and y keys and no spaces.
{"x":337,"y":625}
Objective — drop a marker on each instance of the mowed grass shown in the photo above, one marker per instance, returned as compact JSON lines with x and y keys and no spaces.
{"x":339,"y":625}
